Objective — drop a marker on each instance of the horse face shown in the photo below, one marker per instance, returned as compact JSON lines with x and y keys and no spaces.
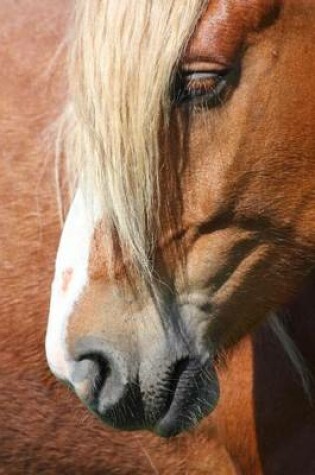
{"x":244,"y":234}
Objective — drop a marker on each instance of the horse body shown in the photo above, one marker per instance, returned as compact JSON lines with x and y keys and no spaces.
{"x":263,"y":422}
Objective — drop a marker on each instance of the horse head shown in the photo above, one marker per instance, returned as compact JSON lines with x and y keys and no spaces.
{"x":190,"y":127}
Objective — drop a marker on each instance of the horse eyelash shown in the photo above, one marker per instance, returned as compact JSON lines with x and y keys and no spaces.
{"x":200,"y":93}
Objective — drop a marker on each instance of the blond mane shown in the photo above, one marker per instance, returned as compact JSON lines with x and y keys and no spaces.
{"x":122,"y":59}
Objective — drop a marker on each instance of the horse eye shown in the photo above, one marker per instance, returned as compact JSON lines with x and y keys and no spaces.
{"x":206,"y":89}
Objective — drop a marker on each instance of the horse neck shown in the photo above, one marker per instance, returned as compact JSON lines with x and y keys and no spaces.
{"x":286,"y":341}
{"x":283,"y":405}
{"x":264,"y":403}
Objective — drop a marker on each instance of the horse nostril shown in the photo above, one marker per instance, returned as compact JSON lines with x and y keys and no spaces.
{"x":104,"y":372}
{"x":94,"y":369}
{"x":99,"y":377}
{"x":175,"y":373}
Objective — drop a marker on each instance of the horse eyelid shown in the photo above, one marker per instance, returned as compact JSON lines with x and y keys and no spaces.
{"x":206,"y":95}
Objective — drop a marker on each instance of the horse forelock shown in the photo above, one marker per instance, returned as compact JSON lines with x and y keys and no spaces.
{"x":122,"y":59}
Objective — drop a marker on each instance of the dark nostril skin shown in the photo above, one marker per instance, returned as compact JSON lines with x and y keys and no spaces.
{"x":101,"y":379}
{"x":158,"y":396}
{"x":194,"y":392}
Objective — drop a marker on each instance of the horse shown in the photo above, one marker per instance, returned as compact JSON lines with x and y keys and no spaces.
{"x":184,"y":281}
{"x":43,"y":428}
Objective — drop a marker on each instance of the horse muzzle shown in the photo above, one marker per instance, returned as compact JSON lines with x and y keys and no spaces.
{"x":166,"y":396}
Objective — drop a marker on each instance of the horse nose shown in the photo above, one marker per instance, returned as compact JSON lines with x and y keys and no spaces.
{"x":99,"y":377}
{"x":164,"y":393}
{"x":105,"y":379}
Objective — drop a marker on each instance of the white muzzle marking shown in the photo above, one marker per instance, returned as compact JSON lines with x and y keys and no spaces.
{"x":71,"y":277}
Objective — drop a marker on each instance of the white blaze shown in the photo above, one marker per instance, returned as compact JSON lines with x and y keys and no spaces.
{"x":71,"y":276}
